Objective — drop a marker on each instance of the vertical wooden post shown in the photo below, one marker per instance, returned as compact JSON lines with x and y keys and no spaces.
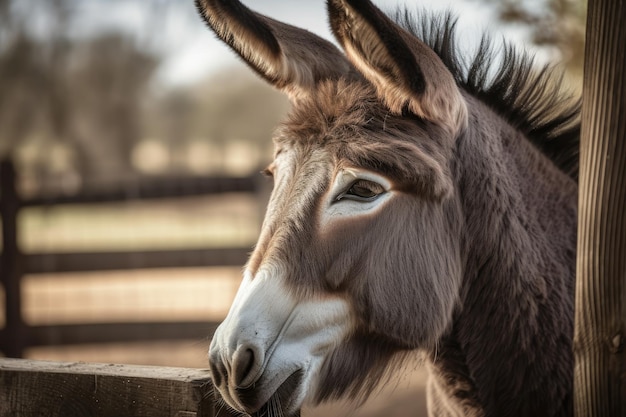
{"x":11,"y":263}
{"x":600,"y":333}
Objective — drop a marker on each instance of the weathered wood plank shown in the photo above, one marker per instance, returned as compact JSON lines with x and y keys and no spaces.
{"x":37,"y":388}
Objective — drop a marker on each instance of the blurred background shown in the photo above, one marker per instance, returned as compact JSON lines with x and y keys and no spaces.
{"x":130,"y":141}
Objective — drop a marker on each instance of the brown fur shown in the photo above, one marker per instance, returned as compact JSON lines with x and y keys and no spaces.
{"x":472,"y":260}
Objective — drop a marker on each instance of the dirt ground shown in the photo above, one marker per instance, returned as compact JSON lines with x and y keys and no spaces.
{"x":403,"y":397}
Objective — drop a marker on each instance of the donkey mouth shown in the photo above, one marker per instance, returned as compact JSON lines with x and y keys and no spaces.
{"x":283,"y":403}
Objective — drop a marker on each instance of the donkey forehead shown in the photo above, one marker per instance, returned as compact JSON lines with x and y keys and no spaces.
{"x":334,"y":105}
{"x":349,"y":126}
{"x":344,"y":114}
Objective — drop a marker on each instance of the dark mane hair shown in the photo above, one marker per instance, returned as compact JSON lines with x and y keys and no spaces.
{"x":533,"y":100}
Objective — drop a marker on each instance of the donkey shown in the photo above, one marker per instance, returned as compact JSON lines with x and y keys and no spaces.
{"x":423,"y":204}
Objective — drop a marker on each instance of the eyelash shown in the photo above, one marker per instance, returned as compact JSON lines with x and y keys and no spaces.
{"x":352,"y":194}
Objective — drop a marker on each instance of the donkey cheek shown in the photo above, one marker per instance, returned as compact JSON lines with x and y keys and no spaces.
{"x":415,"y":316}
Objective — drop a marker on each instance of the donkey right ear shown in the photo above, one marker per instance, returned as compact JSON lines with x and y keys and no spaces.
{"x":408,"y":75}
{"x":291,"y":59}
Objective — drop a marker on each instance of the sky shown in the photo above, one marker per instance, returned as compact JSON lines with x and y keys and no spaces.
{"x":190,"y":50}
{"x":202,"y":53}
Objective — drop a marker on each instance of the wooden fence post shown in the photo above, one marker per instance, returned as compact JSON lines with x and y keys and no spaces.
{"x":600,"y":333}
{"x":11,"y":265}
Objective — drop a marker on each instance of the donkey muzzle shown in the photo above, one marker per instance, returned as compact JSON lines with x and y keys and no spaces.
{"x":271,"y":345}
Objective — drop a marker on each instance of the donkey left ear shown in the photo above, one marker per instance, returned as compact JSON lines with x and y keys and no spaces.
{"x":408,"y":75}
{"x":292,"y":59}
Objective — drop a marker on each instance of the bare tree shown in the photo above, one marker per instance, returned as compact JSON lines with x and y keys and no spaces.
{"x":83,"y":94}
{"x":108,"y":84}
{"x":558,"y":24}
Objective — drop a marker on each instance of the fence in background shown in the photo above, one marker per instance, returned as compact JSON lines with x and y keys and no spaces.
{"x":18,"y":335}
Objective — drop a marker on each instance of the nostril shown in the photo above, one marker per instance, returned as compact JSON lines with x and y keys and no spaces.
{"x":244,"y":364}
{"x":219,"y":372}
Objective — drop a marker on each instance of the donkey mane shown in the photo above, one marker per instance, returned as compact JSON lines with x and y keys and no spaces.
{"x":532,"y":100}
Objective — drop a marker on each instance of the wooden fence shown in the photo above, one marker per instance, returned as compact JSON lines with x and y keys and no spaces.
{"x":18,"y":335}
{"x":37,"y":388}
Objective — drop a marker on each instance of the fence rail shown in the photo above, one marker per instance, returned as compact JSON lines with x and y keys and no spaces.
{"x":46,"y":263}
{"x":150,"y":188}
{"x":95,"y":333}
{"x":33,"y":388}
{"x":17,"y":335}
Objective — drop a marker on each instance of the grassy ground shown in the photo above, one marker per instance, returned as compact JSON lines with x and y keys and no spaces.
{"x":226,"y":220}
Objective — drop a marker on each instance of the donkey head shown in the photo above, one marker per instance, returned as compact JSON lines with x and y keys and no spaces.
{"x":358,"y":258}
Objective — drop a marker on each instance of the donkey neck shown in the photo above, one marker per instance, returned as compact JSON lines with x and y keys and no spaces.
{"x":508,"y":351}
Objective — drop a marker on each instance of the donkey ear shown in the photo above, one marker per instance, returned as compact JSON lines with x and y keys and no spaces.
{"x":291,"y":59}
{"x":408,"y":75}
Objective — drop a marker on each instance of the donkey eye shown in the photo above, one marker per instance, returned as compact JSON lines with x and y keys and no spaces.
{"x":268,"y":172}
{"x":362,"y":190}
